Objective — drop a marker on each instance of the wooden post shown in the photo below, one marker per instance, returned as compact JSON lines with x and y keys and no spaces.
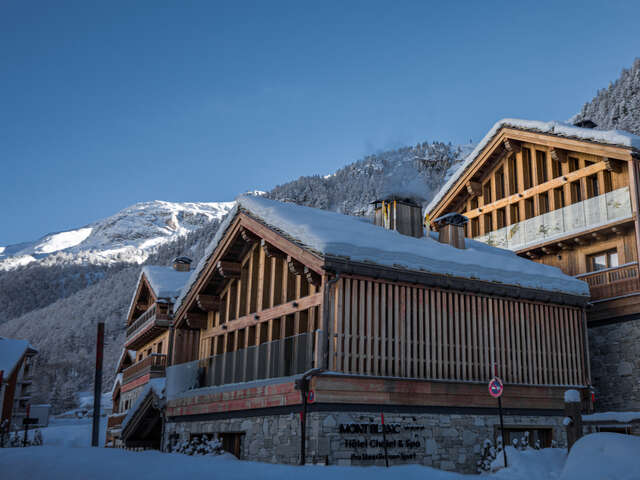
{"x":573,"y":417}
{"x":97,"y":386}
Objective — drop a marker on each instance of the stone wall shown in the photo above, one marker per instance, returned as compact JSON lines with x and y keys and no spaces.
{"x":445,"y":441}
{"x":615,"y":365}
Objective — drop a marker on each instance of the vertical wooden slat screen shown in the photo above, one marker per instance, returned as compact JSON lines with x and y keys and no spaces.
{"x":390,"y":329}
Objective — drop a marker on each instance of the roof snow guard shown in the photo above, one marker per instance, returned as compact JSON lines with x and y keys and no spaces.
{"x":617,"y":138}
{"x":345,"y":244}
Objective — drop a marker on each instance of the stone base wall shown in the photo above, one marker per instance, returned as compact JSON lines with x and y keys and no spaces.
{"x":445,"y":441}
{"x":615,"y":365}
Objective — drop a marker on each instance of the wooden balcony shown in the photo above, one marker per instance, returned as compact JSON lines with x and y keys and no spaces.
{"x":613,"y":282}
{"x":153,"y":366}
{"x":145,"y":328}
{"x":115,"y":420}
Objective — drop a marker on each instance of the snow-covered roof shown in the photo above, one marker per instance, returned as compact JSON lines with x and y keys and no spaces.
{"x":154,"y":386}
{"x":11,"y":351}
{"x":165,"y":281}
{"x":330,"y":234}
{"x":610,"y":137}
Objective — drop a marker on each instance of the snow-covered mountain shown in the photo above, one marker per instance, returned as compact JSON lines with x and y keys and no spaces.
{"x":618,"y":105}
{"x":129,"y":236}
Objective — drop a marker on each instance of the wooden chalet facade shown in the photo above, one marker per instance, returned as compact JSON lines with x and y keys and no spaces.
{"x":301,"y":311}
{"x":145,"y":353}
{"x":568,"y":197}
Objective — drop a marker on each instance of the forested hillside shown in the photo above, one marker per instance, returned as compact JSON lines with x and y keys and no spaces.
{"x":618,"y":105}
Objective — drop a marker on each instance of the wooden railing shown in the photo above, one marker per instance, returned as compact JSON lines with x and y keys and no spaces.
{"x":613,"y":282}
{"x":148,"y":316}
{"x":154,"y":363}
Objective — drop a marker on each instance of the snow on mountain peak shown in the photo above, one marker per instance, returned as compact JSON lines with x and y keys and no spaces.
{"x":128,"y":236}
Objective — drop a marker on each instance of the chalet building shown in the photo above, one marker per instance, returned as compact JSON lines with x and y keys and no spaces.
{"x":567,"y":197}
{"x":16,"y":381}
{"x":140,"y":375}
{"x":310,"y":326}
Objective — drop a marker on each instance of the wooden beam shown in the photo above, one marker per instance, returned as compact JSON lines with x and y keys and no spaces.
{"x":563,"y":246}
{"x":474,"y":188}
{"x":312,"y":277}
{"x":208,"y":303}
{"x":229,"y":269}
{"x":612,"y":165}
{"x":295,"y":266}
{"x":248,"y":237}
{"x":283,"y":310}
{"x":558,"y":155}
{"x":270,"y":251}
{"x":511,"y":146}
{"x":196,"y":320}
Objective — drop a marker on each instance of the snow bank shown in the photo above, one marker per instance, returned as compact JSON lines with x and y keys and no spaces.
{"x":105,"y":463}
{"x":71,"y":433}
{"x":530,"y":463}
{"x":610,"y":137}
{"x":608,"y":456}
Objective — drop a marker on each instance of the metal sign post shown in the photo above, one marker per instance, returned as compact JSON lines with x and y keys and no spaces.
{"x":97,"y":386}
{"x":496,"y":388}
{"x":384,"y":441}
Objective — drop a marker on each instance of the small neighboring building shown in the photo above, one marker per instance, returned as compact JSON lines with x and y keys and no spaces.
{"x":569,"y":197}
{"x":16,"y":385}
{"x":144,"y":357}
{"x":308,"y":325}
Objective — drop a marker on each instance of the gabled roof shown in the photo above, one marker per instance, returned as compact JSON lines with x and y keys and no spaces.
{"x":125,"y":355}
{"x":11,"y":352}
{"x":617,"y":138}
{"x":330,"y":235}
{"x":165,"y":283}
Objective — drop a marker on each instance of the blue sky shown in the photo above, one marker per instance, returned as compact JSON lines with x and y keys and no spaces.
{"x":105,"y":104}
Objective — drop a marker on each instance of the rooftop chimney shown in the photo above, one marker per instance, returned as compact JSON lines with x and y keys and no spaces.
{"x":400,"y":214}
{"x":182,"y":264}
{"x":451,"y":229}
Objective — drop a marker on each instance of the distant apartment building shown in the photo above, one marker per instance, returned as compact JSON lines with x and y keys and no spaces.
{"x":16,"y":385}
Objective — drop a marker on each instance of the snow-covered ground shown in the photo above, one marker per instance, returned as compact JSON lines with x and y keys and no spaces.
{"x":598,"y":456}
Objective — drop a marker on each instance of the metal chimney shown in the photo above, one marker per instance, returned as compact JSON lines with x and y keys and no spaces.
{"x":400,"y":214}
{"x":451,"y":229}
{"x":182,"y":264}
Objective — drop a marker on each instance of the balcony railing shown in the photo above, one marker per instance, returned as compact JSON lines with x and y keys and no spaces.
{"x":154,"y":364}
{"x":572,"y":219}
{"x":613,"y":282}
{"x":142,"y":320}
{"x":279,"y":358}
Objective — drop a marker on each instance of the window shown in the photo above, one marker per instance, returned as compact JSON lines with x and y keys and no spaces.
{"x":573,"y":164}
{"x":542,"y":436}
{"x":541,"y":166}
{"x":513,"y":175}
{"x":501,"y":218}
{"x":515,"y":213}
{"x":558,"y":196}
{"x":602,"y":260}
{"x":159,"y":347}
{"x":487,"y":223}
{"x":593,"y":189}
{"x":543,"y":203}
{"x":475,"y":227}
{"x":474,"y":203}
{"x":576,"y":192}
{"x":526,"y":168}
{"x":486,"y":193}
{"x":608,"y":186}
{"x":556,"y":169}
{"x":528,"y":208}
{"x":499,"y":179}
